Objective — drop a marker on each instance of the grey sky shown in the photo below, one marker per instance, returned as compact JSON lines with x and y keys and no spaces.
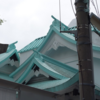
{"x":27,"y":20}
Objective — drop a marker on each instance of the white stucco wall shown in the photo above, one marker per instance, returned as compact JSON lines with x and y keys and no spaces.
{"x":25,"y":55}
{"x":96,"y":71}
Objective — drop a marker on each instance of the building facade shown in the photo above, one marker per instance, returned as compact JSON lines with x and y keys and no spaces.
{"x":50,"y":63}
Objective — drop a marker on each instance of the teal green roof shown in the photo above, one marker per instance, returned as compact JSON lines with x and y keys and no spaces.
{"x":4,"y":76}
{"x":37,"y":42}
{"x":50,"y":62}
{"x":25,"y":73}
{"x":59,"y":85}
{"x":48,"y":84}
{"x":22,"y":66}
{"x":53,"y":86}
{"x":48,"y":69}
{"x":41,"y":65}
{"x":33,"y":45}
{"x":61,"y":70}
{"x":11,"y":46}
{"x":69,"y":37}
{"x":10,"y":51}
{"x":56,"y":23}
{"x":46,"y":63}
{"x":5,"y":56}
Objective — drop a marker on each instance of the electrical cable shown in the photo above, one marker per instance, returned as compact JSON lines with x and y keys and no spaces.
{"x":97,"y":8}
{"x":94,"y":7}
{"x":60,"y":13}
{"x":72,"y":7}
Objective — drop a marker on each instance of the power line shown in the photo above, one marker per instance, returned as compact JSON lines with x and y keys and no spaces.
{"x":97,"y":8}
{"x":94,"y":6}
{"x":72,"y":7}
{"x":60,"y":13}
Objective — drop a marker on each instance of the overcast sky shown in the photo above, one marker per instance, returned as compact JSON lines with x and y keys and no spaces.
{"x":27,"y":20}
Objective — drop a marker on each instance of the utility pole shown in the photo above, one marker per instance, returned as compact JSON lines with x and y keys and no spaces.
{"x":84,"y":49}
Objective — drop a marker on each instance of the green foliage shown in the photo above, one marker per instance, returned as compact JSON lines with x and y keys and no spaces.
{"x":1,"y":21}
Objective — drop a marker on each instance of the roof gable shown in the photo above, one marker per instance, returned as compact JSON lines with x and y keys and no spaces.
{"x":10,"y":56}
{"x":33,"y":45}
{"x":56,"y":23}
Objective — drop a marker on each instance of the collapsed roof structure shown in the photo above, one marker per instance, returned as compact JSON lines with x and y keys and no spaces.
{"x":50,"y":63}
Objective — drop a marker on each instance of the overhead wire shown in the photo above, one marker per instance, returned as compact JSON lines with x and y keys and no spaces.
{"x":94,"y":6}
{"x":97,"y":8}
{"x":60,"y":13}
{"x":72,"y":7}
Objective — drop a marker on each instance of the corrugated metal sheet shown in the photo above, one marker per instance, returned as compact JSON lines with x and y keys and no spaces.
{"x":33,"y":45}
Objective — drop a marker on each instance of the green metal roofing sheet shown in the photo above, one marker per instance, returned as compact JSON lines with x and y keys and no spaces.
{"x":48,"y":84}
{"x":49,"y":60}
{"x":10,"y":51}
{"x":56,"y":23}
{"x":22,"y":66}
{"x":69,"y":37}
{"x":7,"y":55}
{"x":11,"y":46}
{"x":33,"y":45}
{"x":26,"y":72}
{"x":48,"y":69}
{"x":69,"y":83}
{"x":42,"y":66}
{"x":59,"y":85}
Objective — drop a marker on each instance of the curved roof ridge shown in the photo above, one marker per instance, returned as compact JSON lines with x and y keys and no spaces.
{"x":5,"y":56}
{"x":56,"y":23}
{"x":21,"y":67}
{"x":66,"y":37}
{"x":49,"y":70}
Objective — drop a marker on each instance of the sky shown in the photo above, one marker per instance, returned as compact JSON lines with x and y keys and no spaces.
{"x":26,"y":20}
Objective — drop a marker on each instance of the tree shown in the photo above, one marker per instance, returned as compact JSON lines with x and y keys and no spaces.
{"x":1,"y":21}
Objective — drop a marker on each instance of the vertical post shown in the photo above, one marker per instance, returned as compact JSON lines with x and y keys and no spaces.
{"x":84,"y":48}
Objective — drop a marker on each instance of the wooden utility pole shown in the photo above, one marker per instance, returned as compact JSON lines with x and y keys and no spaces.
{"x":84,"y":48}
